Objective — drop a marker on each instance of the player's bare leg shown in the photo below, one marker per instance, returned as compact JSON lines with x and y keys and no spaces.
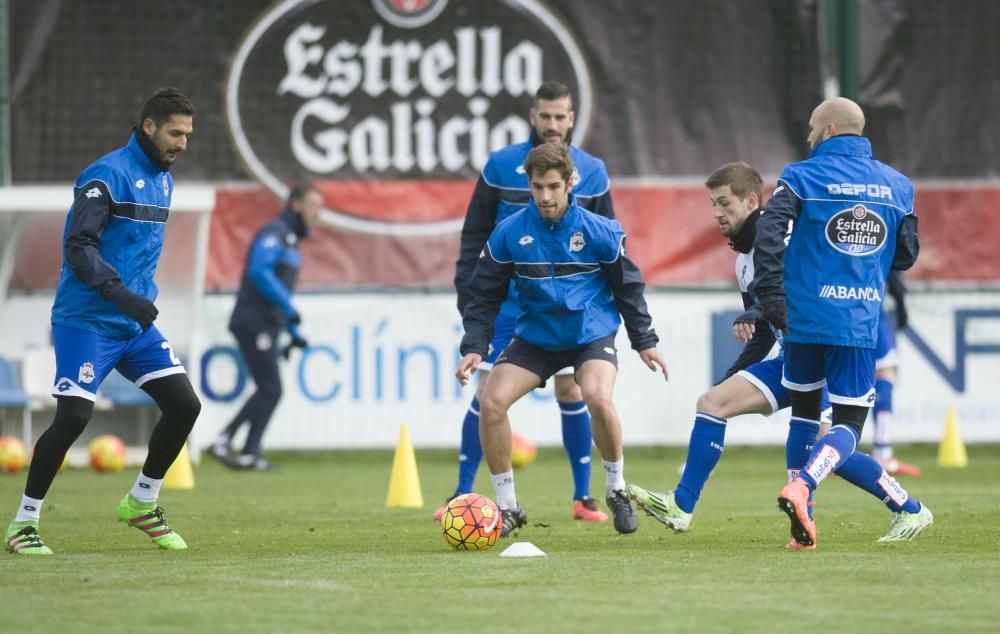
{"x":597,"y":382}
{"x":507,"y":383}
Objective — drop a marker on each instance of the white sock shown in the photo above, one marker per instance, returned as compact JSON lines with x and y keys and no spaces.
{"x":882,"y":440}
{"x":503,"y":485}
{"x":29,"y":511}
{"x":146,"y":489}
{"x":614,"y":475}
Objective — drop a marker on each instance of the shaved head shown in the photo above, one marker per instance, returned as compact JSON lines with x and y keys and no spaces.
{"x":835,"y":116}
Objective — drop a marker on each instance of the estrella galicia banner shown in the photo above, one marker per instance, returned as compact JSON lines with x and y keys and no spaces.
{"x":393,"y":90}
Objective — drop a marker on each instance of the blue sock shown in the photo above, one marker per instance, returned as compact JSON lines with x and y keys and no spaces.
{"x":830,"y":452}
{"x":801,"y":438}
{"x":470,"y":454}
{"x":866,"y":473}
{"x":704,"y":450}
{"x":882,"y":418}
{"x":577,"y":440}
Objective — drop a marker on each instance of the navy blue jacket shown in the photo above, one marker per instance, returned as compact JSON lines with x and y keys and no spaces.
{"x":264,"y":302}
{"x":574,"y":283}
{"x":852,"y":222}
{"x":112,"y":240}
{"x":502,"y":189}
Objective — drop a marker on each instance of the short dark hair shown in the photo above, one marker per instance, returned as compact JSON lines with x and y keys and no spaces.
{"x":552,"y":90}
{"x":741,"y":178}
{"x":164,"y":103}
{"x":297,"y":191}
{"x":549,"y":156}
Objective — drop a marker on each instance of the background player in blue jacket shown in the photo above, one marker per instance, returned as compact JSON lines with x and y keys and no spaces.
{"x":263,"y":309}
{"x":886,"y":373}
{"x":753,"y":384}
{"x":103,"y":314}
{"x":574,"y":285}
{"x":853,"y":222}
{"x":501,"y":190}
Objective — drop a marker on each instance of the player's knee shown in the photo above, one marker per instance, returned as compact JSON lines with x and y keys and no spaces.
{"x":807,"y":405}
{"x":710,"y":403}
{"x":491,"y":409}
{"x":72,"y":416}
{"x":851,"y":415}
{"x":271,"y":392}
{"x":600,"y":404}
{"x":184,"y":405}
{"x":567,"y":389}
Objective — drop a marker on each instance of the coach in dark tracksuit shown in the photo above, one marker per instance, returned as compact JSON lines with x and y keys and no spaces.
{"x":263,"y":309}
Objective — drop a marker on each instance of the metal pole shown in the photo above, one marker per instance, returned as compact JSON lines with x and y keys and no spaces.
{"x":849,"y":54}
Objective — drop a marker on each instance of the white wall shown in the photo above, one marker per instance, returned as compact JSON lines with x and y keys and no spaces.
{"x":351,"y":390}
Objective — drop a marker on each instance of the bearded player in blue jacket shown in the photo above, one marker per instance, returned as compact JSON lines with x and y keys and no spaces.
{"x":853,"y":222}
{"x":501,"y":190}
{"x":103,"y":314}
{"x":574,"y":285}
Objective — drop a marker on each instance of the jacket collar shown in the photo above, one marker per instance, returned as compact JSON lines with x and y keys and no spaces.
{"x":568,"y":218}
{"x":846,"y":144}
{"x":295,"y":222}
{"x":743,"y":241}
{"x":145,"y":152}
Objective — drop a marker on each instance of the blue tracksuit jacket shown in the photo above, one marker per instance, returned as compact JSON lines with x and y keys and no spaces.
{"x":502,"y":189}
{"x":264,"y":302}
{"x":113,"y":237}
{"x":574,"y":282}
{"x":852,"y":221}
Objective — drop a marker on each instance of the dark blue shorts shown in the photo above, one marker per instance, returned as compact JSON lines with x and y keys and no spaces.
{"x":847,"y":373}
{"x":766,"y":377}
{"x":503,"y":333}
{"x":84,"y":359}
{"x":545,"y":363}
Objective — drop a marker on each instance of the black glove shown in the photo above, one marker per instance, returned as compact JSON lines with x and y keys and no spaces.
{"x":776,"y":312}
{"x":294,"y":319}
{"x":135,"y":306}
{"x":297,"y":342}
{"x":752,"y":316}
{"x":902,"y":317}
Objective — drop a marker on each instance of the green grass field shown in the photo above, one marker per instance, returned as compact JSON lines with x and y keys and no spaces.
{"x":313,"y":549}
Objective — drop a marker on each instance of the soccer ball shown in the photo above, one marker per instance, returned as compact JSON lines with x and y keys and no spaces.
{"x":107,"y":453}
{"x":471,"y":522}
{"x":11,"y":454}
{"x":522,"y":451}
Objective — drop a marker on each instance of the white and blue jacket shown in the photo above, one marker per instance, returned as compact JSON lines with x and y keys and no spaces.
{"x":852,"y":221}
{"x":574,"y":283}
{"x":113,"y":237}
{"x":502,"y":189}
